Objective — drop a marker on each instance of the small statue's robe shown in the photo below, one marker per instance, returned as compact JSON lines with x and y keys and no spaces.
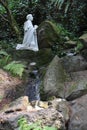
{"x":30,"y":37}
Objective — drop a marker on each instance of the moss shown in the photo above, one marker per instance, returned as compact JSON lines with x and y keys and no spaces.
{"x":79,"y":47}
{"x":85,"y":85}
{"x":51,"y":33}
{"x":44,"y":57}
{"x":72,"y":88}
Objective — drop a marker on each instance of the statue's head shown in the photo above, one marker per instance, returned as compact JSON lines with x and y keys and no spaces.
{"x":29,"y":17}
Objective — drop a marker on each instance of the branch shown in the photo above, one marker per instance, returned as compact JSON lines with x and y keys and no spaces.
{"x":3,"y":2}
{"x":4,"y":18}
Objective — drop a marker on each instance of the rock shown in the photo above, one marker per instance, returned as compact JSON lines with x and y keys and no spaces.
{"x":62,"y":106}
{"x":43,"y":57}
{"x":54,"y":78}
{"x":70,"y":44}
{"x":77,"y":87}
{"x":70,"y":85}
{"x":84,"y":54}
{"x":74,"y":63}
{"x":78,"y":119}
{"x":83,"y":39}
{"x":18,"y":105}
{"x":30,"y":56}
{"x":10,"y":88}
{"x":48,"y":34}
{"x":43,"y":104}
{"x":76,"y":67}
{"x":49,"y":117}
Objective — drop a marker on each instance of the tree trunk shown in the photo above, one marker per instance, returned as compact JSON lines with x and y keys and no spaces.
{"x":11,"y":19}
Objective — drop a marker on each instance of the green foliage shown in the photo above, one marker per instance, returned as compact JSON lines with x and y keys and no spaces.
{"x":4,"y":58}
{"x":62,"y":31}
{"x":71,"y":14}
{"x":79,"y":47}
{"x":4,"y":61}
{"x":3,"y":53}
{"x":23,"y":125}
{"x":1,"y":97}
{"x":60,"y":3}
{"x":15,"y":68}
{"x":58,"y":46}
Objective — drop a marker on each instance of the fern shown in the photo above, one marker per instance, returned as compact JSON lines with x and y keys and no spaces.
{"x":4,"y":58}
{"x":15,"y":68}
{"x":4,"y":53}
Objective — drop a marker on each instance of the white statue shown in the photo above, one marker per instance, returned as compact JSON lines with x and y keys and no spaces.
{"x":30,"y":36}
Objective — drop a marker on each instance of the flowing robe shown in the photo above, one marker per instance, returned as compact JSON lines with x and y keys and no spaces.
{"x":30,"y":38}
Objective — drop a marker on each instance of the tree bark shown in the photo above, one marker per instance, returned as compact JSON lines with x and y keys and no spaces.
{"x":11,"y":19}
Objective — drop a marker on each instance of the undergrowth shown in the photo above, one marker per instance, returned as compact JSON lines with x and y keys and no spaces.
{"x":23,"y":125}
{"x":16,"y":68}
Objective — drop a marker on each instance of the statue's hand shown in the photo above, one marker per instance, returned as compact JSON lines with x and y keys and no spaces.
{"x":35,"y":26}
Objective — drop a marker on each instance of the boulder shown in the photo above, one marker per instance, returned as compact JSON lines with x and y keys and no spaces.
{"x":54,"y":78}
{"x":48,"y":34}
{"x":84,"y":54}
{"x":78,"y":118}
{"x":70,"y":44}
{"x":55,"y":113}
{"x":48,"y":117}
{"x":66,"y":80}
{"x":74,"y":63}
{"x":77,"y":87}
{"x":28,"y":56}
{"x":18,"y":105}
{"x":76,"y":67}
{"x":83,"y":39}
{"x":62,"y":106}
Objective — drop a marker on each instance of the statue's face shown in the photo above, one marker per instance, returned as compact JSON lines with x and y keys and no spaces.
{"x":31,"y":18}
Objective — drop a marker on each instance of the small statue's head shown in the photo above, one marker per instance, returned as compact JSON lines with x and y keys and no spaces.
{"x":29,"y":17}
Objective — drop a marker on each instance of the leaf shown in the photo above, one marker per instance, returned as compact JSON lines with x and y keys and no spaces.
{"x":49,"y":128}
{"x":67,"y":6}
{"x":38,"y":128}
{"x":15,"y":68}
{"x":4,"y":53}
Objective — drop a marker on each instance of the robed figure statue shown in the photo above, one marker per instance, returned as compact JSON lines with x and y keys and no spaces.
{"x":30,"y":36}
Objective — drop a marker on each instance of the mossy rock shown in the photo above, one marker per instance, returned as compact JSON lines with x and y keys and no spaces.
{"x":48,"y":34}
{"x":42,"y":57}
{"x":83,"y":39}
{"x":55,"y":78}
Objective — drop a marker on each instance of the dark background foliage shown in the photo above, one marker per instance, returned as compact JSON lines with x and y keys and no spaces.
{"x":71,"y":14}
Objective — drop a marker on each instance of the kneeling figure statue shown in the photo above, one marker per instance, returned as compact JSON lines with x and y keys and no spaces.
{"x":30,"y":36}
